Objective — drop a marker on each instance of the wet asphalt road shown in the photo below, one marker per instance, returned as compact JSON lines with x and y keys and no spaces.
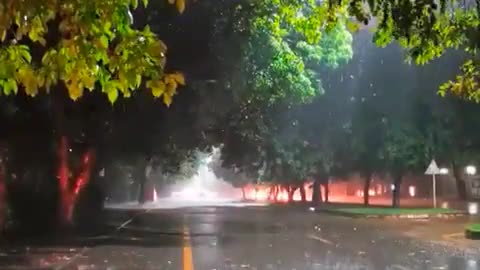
{"x":269,"y":238}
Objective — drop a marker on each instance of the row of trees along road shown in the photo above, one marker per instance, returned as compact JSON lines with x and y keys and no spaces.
{"x":387,"y":122}
{"x":273,"y":59}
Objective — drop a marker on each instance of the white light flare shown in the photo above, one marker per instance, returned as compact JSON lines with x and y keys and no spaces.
{"x":471,"y":170}
{"x":412,"y":191}
{"x":194,"y":194}
{"x":472,"y":208}
{"x":444,"y":171}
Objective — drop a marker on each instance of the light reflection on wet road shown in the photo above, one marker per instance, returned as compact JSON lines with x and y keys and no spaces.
{"x":263,"y":238}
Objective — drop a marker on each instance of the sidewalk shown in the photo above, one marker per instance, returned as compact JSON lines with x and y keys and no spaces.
{"x":449,"y":232}
{"x":404,"y":202}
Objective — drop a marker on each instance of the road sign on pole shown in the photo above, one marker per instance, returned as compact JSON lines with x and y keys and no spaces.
{"x":433,"y":170}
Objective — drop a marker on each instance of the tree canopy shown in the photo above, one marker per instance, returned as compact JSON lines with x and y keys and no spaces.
{"x":272,"y":54}
{"x":281,"y":72}
{"x":92,"y":44}
{"x":84,"y":45}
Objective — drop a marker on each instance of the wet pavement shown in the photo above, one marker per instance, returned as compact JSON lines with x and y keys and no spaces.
{"x":270,"y":238}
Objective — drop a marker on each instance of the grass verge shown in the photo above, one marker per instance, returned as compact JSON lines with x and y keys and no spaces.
{"x":380,"y":211}
{"x":472,"y":231}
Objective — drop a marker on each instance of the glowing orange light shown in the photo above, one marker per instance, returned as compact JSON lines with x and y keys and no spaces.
{"x":282,"y":196}
{"x":261,"y":195}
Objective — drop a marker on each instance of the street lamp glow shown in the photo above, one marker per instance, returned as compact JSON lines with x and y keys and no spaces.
{"x":471,"y":170}
{"x":443,"y":171}
{"x":472,"y":208}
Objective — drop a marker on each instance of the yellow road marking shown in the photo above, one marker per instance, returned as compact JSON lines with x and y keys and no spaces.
{"x":187,"y":250}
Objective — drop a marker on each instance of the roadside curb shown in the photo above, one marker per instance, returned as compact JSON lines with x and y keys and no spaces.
{"x":472,"y":235}
{"x":401,"y":216}
{"x":472,"y":232}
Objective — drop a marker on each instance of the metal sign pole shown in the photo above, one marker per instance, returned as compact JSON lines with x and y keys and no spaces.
{"x":434,"y":192}
{"x":433,"y":170}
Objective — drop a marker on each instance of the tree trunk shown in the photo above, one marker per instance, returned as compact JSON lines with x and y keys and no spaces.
{"x":291,"y":191}
{"x":276,"y":190}
{"x":63,"y":178}
{"x":141,"y":190}
{"x":303,"y":193}
{"x":460,"y":182}
{"x":366,"y":188}
{"x":63,"y":171}
{"x":316,"y":192}
{"x":271,"y":195}
{"x":3,"y":196}
{"x":397,"y":182}
{"x":87,"y":194}
{"x":244,"y":195}
{"x":85,"y":174}
{"x":327,"y":191}
{"x":69,"y":191}
{"x":142,"y":178}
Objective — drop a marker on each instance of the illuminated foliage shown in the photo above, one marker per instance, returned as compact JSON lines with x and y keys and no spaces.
{"x":426,"y":29}
{"x":288,"y":39}
{"x":85,"y":45}
{"x":284,"y":46}
{"x":277,"y":72}
{"x":333,"y":50}
{"x":465,"y":85}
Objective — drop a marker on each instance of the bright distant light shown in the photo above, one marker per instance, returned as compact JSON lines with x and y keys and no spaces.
{"x":443,"y":171}
{"x":471,"y":170}
{"x":392,"y":187}
{"x":411,"y":191}
{"x":194,"y":193}
{"x":261,"y":195}
{"x":473,"y":208}
{"x":312,"y":209}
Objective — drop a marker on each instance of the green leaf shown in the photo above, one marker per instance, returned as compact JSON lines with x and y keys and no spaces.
{"x":104,"y":41}
{"x":5,"y":90}
{"x":157,"y":87}
{"x":9,"y":86}
{"x":112,"y":95}
{"x":134,"y":4}
{"x":12,"y":85}
{"x":138,"y":81}
{"x":24,"y":53}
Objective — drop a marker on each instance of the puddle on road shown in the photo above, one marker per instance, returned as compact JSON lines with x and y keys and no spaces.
{"x":341,"y":259}
{"x":463,"y":264}
{"x":339,"y":263}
